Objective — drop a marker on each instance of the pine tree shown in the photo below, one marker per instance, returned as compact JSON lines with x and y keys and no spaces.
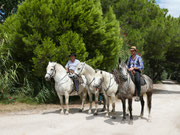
{"x":50,"y":29}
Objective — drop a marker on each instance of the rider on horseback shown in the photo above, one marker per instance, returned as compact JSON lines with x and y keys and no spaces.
{"x":135,"y":66}
{"x":70,"y":68}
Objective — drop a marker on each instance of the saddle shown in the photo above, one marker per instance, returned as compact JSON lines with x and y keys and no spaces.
{"x":142,"y":80}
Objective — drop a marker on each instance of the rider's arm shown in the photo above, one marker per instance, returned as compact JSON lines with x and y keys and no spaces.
{"x":67,"y":67}
{"x":129,"y":62}
{"x":141,"y":65}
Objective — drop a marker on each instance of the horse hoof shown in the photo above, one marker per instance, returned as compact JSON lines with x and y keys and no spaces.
{"x":95,"y":113}
{"x":89,"y":112}
{"x":107,"y":115}
{"x":149,"y":120}
{"x":67,"y":113}
{"x":141,"y":115}
{"x":62,"y":112}
{"x":123,"y":120}
{"x":113,"y":117}
{"x":80,"y":110}
{"x":131,"y":122}
{"x":103,"y":110}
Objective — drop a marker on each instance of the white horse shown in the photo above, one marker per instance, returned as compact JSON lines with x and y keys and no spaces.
{"x":88,"y":72}
{"x":64,"y":84}
{"x":109,"y":87}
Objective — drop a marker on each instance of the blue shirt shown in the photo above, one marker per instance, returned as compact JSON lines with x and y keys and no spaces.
{"x":137,"y":62}
{"x":72,"y":65}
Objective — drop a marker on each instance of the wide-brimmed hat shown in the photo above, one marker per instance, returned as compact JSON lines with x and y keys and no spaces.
{"x":72,"y":54}
{"x":133,"y":48}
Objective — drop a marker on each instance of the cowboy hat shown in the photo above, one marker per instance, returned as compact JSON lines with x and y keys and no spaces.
{"x":72,"y":54}
{"x":133,"y":48}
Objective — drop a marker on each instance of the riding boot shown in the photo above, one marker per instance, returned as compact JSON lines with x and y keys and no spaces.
{"x":76,"y":83}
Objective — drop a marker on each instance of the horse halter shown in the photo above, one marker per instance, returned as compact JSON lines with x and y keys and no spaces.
{"x":53,"y":73}
{"x":123,"y":77}
{"x":101,"y":81}
{"x":111,"y":77}
{"x":81,"y":70}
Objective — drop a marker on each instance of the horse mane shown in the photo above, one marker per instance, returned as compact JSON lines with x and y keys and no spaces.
{"x":90,"y":68}
{"x":123,"y":64}
{"x":59,"y":67}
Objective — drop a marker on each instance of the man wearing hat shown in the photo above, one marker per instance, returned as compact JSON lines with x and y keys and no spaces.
{"x":70,"y":68}
{"x":135,"y":66}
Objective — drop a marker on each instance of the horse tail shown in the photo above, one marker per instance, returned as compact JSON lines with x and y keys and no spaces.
{"x":149,"y":101}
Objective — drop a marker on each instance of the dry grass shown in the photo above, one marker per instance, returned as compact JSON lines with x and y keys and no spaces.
{"x":17,"y":107}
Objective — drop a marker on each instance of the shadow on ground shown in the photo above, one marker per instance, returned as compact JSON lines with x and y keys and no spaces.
{"x":161,"y":91}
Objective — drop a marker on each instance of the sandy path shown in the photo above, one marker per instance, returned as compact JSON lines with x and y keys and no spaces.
{"x":165,"y":119}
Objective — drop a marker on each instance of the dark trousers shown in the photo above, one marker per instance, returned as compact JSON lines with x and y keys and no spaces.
{"x":76,"y":83}
{"x":137,"y":76}
{"x":138,"y":82}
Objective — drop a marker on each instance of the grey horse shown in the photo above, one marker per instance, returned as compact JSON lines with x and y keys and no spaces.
{"x":127,"y":88}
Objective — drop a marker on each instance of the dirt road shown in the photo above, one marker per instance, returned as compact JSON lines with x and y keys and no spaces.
{"x":49,"y":121}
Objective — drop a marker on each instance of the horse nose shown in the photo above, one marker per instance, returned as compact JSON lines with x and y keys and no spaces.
{"x":125,"y":78}
{"x":46,"y":78}
{"x":96,"y":86}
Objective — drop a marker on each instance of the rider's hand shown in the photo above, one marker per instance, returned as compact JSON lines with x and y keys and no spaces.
{"x":131,"y":69}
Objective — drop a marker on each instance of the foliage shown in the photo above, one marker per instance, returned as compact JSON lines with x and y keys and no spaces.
{"x":98,"y":31}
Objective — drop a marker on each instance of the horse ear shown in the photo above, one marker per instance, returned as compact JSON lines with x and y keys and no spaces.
{"x":101,"y":71}
{"x":119,"y":60}
{"x":96,"y":70}
{"x":126,"y":61}
{"x":54,"y":63}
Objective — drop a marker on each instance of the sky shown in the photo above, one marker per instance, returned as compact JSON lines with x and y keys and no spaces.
{"x":173,"y":6}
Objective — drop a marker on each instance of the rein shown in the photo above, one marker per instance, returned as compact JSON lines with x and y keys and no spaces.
{"x":91,"y":82}
{"x":81,"y":71}
{"x":82,"y":68}
{"x":109,"y":84}
{"x":63,"y":77}
{"x":52,"y":75}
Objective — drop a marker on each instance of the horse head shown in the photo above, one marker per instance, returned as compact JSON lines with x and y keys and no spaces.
{"x":123,"y":70}
{"x":80,"y":69}
{"x":50,"y":70}
{"x":98,"y":79}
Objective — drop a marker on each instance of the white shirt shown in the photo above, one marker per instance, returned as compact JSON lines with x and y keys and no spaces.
{"x":72,"y":65}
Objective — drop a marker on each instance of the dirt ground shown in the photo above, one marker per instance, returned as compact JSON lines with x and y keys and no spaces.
{"x":22,"y":119}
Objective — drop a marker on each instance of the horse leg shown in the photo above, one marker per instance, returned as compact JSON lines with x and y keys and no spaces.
{"x":90,"y":100}
{"x":149,"y":100}
{"x":107,"y":103}
{"x":130,"y":108}
{"x":113,"y":105}
{"x":123,"y":100}
{"x":104,"y":103}
{"x":67,"y":103}
{"x":96,"y":102}
{"x":62,"y":104}
{"x":142,"y":106}
{"x":84,"y":94}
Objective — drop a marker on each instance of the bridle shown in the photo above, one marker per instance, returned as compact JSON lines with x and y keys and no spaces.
{"x":53,"y":73}
{"x":81,"y":70}
{"x":110,"y":83}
